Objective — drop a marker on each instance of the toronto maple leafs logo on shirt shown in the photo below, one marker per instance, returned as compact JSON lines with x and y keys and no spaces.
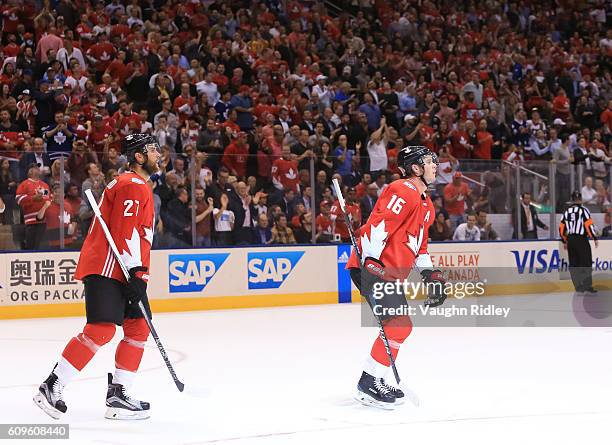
{"x":59,"y":138}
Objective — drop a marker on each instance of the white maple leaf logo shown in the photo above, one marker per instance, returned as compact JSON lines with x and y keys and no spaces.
{"x":291,"y":174}
{"x":414,"y":243}
{"x":132,"y":258}
{"x":59,"y":138}
{"x":374,"y":245}
{"x":148,"y":235}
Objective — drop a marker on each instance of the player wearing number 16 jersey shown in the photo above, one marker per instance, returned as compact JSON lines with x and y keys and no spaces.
{"x":127,"y":208}
{"x":392,"y":242}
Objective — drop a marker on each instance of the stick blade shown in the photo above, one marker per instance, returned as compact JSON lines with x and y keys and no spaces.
{"x":180,"y":385}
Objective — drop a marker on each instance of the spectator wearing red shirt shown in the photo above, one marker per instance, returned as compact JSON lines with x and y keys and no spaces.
{"x":118,"y":70}
{"x":606,"y":119}
{"x":485,"y":142}
{"x":455,"y":195}
{"x":101,"y":55}
{"x":433,"y":54}
{"x":236,"y":155}
{"x":324,"y":223}
{"x":33,"y":195}
{"x":184,"y":105}
{"x":125,"y":118}
{"x":352,"y":207}
{"x":285,"y":171}
{"x":84,"y":33}
{"x":11,"y":13}
{"x":53,"y":221}
{"x":561,"y":105}
{"x":460,"y":142}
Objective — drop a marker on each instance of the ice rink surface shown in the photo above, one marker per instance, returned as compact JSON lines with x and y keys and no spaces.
{"x":288,"y":375}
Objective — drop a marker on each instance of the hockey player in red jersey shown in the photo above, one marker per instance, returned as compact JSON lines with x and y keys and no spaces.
{"x":127,"y":208}
{"x":392,"y":242}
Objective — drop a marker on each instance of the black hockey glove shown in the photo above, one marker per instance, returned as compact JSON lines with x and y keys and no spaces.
{"x":136,"y":285}
{"x":434,"y":285}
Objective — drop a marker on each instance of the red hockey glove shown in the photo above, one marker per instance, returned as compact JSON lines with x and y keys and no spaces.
{"x":377,"y":269}
{"x":434,"y":284}
{"x":136,"y":285}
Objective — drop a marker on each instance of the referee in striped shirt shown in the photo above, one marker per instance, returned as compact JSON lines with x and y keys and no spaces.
{"x":575,"y":229}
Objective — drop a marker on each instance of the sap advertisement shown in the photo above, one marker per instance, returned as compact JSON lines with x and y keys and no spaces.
{"x":203,"y":279}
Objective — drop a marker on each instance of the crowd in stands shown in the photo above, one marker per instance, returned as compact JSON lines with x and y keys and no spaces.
{"x":257,"y":105}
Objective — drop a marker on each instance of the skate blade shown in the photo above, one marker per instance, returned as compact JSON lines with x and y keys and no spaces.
{"x":125,"y":414}
{"x":41,"y":402}
{"x":368,"y":400}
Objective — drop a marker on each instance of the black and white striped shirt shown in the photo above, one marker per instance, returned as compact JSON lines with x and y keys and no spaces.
{"x":576,"y":221}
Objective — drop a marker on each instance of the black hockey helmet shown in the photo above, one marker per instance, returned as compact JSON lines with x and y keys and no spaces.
{"x":414,"y":154}
{"x":576,"y":195}
{"x":137,"y":143}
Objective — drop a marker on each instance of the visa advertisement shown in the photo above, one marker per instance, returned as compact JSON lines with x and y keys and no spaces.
{"x":32,"y":285}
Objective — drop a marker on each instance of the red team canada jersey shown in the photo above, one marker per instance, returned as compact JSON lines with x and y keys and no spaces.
{"x":127,"y":208}
{"x":337,"y":217}
{"x":396,"y":231}
{"x":285,"y":173}
{"x":31,"y":196}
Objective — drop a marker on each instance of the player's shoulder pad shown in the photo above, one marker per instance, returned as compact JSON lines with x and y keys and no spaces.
{"x":128,"y":181}
{"x":405,"y":189}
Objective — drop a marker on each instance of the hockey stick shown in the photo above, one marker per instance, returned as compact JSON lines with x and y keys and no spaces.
{"x":94,"y":205}
{"x":348,"y":220}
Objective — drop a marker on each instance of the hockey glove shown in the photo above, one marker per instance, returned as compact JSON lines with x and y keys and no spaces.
{"x":376,"y":268}
{"x":373,"y":273}
{"x":434,"y":285}
{"x":136,"y":285}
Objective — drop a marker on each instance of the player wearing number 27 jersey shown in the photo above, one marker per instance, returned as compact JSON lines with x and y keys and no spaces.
{"x":396,"y":231}
{"x":127,"y":207}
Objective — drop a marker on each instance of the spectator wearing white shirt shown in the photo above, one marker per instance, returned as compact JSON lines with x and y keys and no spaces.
{"x":377,"y":147}
{"x":76,"y":80}
{"x":224,"y":223}
{"x":208,"y":87}
{"x":589,"y":194}
{"x":68,"y":52}
{"x":322,"y":90}
{"x":467,"y":231}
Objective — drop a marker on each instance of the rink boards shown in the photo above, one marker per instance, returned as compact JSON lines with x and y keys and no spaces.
{"x":41,"y":284}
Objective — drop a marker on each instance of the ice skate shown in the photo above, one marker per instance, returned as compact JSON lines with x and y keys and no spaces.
{"x":373,"y":391}
{"x":120,"y":406}
{"x":49,"y":397}
{"x":396,"y":392}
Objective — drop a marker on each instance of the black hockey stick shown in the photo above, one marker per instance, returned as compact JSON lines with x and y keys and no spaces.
{"x":94,"y":205}
{"x":348,"y":220}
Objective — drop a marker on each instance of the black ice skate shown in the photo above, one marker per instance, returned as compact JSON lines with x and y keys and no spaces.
{"x":396,"y":392}
{"x":120,"y":406}
{"x":49,"y":397}
{"x":373,"y":391}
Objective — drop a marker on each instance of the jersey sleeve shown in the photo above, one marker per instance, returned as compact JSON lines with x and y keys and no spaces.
{"x":131,"y":223}
{"x":22,"y":194}
{"x":588,"y":223}
{"x":562,"y":225}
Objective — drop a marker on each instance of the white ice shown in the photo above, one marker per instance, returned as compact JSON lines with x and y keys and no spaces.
{"x":287,"y":376}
